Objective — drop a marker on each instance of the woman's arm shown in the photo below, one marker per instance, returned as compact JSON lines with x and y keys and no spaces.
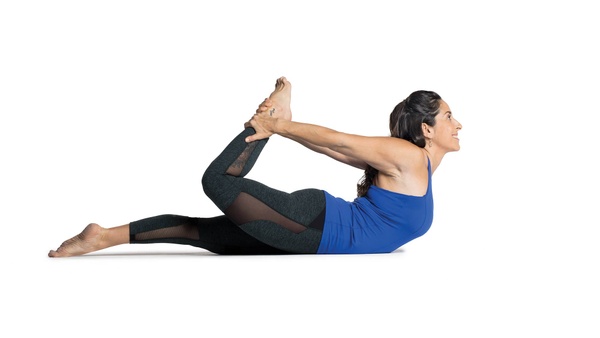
{"x":351,"y":161}
{"x":386,"y":154}
{"x":267,"y":104}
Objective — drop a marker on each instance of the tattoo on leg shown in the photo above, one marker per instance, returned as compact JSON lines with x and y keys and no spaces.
{"x":272,"y":112}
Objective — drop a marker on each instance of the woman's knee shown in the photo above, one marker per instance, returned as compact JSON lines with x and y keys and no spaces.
{"x":210,"y":183}
{"x":221,"y":188}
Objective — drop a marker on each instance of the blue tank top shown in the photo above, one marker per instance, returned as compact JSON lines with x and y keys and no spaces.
{"x":379,"y":222}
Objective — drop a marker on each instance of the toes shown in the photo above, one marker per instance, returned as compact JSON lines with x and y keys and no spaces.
{"x":53,"y":253}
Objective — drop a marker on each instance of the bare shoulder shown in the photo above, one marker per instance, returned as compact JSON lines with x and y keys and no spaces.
{"x":408,"y":157}
{"x":389,"y":155}
{"x":410,"y":176}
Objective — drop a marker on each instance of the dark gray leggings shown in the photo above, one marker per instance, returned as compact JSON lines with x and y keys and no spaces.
{"x":257,"y":219}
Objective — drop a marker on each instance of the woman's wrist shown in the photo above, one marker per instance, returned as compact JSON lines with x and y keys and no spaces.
{"x":279,"y":126}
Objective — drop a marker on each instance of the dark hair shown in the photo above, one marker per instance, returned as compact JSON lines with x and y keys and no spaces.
{"x":405,"y":122}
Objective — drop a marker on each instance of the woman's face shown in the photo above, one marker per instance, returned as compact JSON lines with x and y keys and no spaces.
{"x":446,"y":129}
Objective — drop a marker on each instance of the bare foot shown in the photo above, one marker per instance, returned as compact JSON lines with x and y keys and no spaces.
{"x":90,"y":239}
{"x":281,"y":99}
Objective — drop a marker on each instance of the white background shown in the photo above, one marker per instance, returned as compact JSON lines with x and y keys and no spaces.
{"x":111,"y":110}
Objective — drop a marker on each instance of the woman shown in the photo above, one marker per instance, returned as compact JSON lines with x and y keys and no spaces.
{"x":394,"y":203}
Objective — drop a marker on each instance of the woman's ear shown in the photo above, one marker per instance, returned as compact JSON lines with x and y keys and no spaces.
{"x":427,"y":130}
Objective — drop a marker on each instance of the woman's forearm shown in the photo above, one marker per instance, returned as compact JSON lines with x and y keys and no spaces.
{"x":306,"y":134}
{"x":337,"y":145}
{"x":310,"y":134}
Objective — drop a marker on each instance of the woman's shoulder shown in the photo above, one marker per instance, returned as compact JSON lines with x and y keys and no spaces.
{"x":411,"y":157}
{"x":411,"y":175}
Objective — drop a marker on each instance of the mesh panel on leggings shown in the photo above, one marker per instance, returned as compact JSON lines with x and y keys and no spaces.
{"x":185,"y":230}
{"x":246,"y":208}
{"x":235,"y":169}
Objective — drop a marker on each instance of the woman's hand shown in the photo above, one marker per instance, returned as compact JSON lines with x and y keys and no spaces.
{"x":262,"y":122}
{"x":264,"y":106}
